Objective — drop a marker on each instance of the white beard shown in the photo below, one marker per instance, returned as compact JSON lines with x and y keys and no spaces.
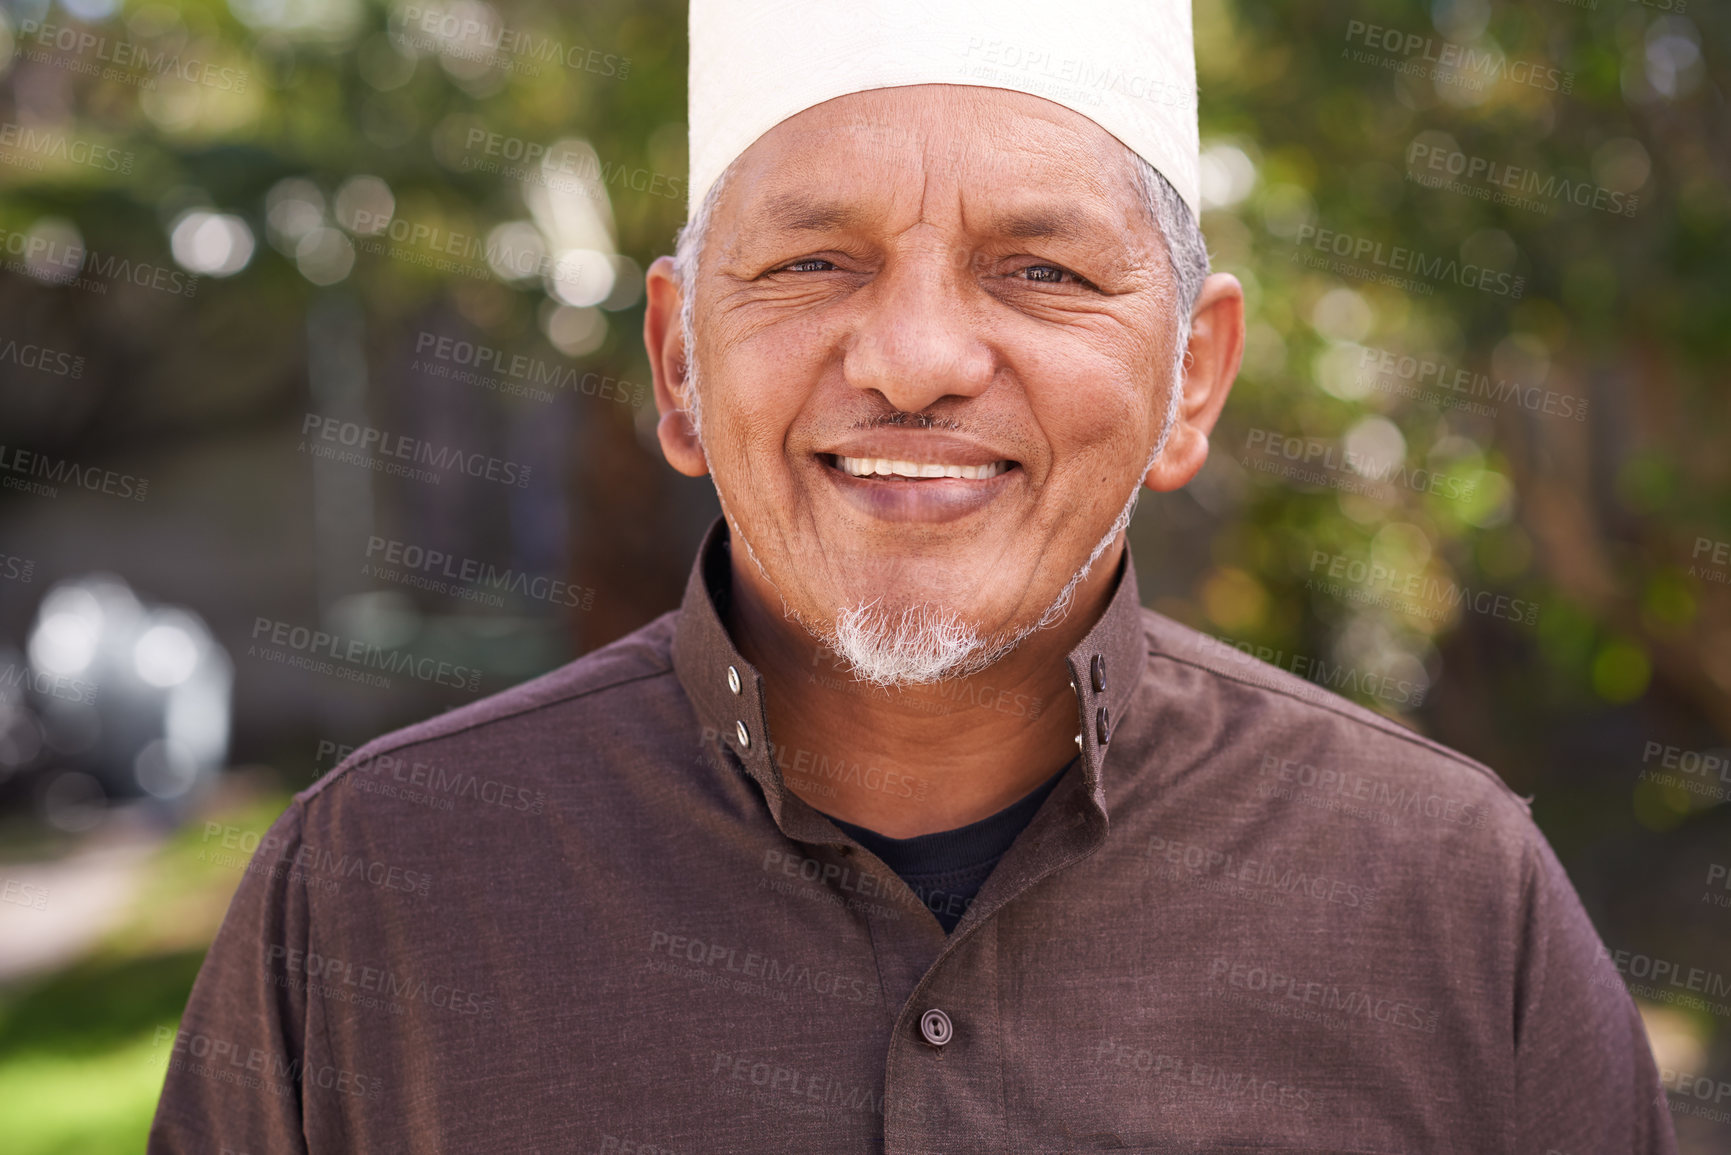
{"x":922,"y":644}
{"x":925,"y":643}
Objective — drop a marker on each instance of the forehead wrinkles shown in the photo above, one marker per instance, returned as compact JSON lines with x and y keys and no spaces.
{"x":1001,"y":196}
{"x":978,"y":139}
{"x":998,"y":162}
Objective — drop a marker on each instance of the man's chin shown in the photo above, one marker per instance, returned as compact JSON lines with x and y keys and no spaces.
{"x":909,"y":645}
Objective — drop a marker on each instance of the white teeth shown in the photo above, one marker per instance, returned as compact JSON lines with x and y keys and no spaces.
{"x":884,"y":467}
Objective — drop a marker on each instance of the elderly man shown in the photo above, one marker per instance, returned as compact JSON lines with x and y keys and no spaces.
{"x":911,"y":830}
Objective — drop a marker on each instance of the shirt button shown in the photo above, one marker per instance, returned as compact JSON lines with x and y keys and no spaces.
{"x":743,"y":733}
{"x":1097,"y":672}
{"x":1102,"y":725}
{"x":733,"y":679}
{"x":935,"y":1027}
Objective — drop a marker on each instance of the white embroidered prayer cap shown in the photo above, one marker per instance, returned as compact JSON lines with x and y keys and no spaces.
{"x":1127,"y":65}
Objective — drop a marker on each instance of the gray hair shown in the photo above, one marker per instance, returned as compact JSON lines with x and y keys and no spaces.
{"x":1186,"y":255}
{"x":1186,"y":250}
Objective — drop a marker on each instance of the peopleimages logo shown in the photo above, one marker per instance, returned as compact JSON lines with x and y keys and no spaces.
{"x":1433,"y":166}
{"x":1318,"y":461}
{"x":19,"y":675}
{"x":27,"y":894}
{"x":32,"y":147}
{"x":253,"y":1068}
{"x":524,"y":370}
{"x":1718,"y":877}
{"x":1400,"y":259}
{"x":123,"y":57}
{"x":1451,"y":61}
{"x":473,"y":32}
{"x":774,"y":974}
{"x":424,"y":783}
{"x":367,"y":442}
{"x":1433,"y":379}
{"x":349,"y":978}
{"x":1071,"y":75}
{"x":62,"y":263}
{"x":1667,"y":981}
{"x":1348,"y":1002}
{"x":521,"y":158}
{"x":1702,"y":773}
{"x":1273,"y":878}
{"x":1306,"y":783}
{"x":1413,"y":592}
{"x":21,"y":464}
{"x":237,"y":847}
{"x":1337,"y":677}
{"x":423,"y":568}
{"x":304,"y":647}
{"x":798,"y":1090}
{"x":1714,"y":569}
{"x":42,"y":359}
{"x":1231,"y":1084}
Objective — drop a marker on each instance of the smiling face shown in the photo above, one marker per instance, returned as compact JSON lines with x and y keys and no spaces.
{"x":935,"y":333}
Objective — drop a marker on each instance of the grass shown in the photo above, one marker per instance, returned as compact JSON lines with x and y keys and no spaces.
{"x":83,"y":1050}
{"x":81,"y":1104}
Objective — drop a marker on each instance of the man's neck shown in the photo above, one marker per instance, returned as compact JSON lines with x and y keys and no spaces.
{"x":925,"y":758}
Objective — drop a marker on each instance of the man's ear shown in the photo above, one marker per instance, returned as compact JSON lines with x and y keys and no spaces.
{"x":665,"y":345}
{"x":1210,"y":366}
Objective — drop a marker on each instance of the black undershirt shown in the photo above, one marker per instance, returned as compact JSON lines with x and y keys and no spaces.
{"x":947,"y":869}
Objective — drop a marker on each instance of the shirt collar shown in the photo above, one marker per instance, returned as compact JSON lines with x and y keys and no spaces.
{"x":727,"y":692}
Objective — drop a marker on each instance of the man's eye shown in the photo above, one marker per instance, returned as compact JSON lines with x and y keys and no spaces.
{"x":806,"y":266}
{"x":1050,"y":275}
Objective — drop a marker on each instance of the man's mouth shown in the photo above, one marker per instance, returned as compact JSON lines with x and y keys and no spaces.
{"x":895,"y":469}
{"x":931,"y":477}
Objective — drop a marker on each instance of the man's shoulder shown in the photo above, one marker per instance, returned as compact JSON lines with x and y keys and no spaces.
{"x":1336,"y":752}
{"x":635,"y":661}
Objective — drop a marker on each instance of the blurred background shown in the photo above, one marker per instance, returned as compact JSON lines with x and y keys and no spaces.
{"x":324,"y":408}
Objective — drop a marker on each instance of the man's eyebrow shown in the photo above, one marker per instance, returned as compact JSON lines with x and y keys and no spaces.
{"x":798,"y":213}
{"x":1058,"y":222}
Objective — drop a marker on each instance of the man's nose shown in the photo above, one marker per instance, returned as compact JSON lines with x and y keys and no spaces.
{"x":919,"y":338}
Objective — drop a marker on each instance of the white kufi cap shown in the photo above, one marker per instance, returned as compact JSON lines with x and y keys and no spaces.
{"x":1127,"y":65}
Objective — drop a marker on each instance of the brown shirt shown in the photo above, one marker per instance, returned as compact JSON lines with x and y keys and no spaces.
{"x":585,"y":915}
